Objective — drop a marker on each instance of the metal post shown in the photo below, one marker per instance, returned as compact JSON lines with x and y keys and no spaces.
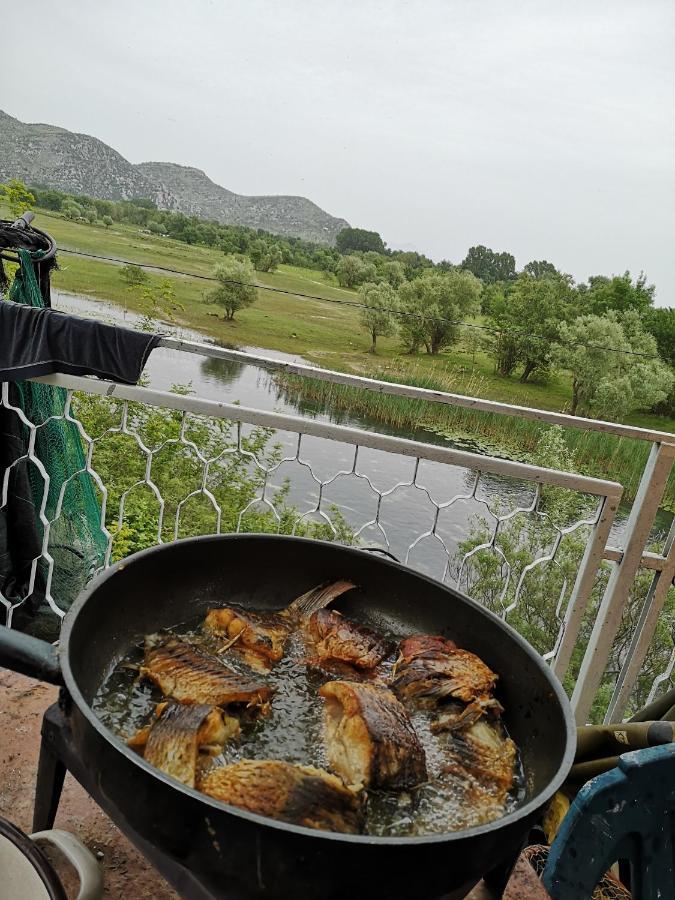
{"x":644,"y":631}
{"x":588,"y":570}
{"x":649,"y":494}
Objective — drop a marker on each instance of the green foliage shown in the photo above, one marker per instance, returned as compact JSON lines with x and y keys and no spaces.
{"x":265,"y":257}
{"x":17,"y":197}
{"x":72,"y":210}
{"x":350,"y":239}
{"x":527,"y":321}
{"x":432,"y":304}
{"x":541,"y":268}
{"x":659,"y":321}
{"x":159,"y":300}
{"x":491,"y":577}
{"x":134,"y":275}
{"x":604,"y":382}
{"x":353,"y":270}
{"x":235,"y":289}
{"x":618,"y":294}
{"x":155,"y":227}
{"x":379,"y":316}
{"x":177,"y":471}
{"x":488,"y":265}
{"x":107,"y":221}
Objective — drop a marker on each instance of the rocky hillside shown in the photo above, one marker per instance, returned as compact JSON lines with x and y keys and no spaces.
{"x":80,"y":164}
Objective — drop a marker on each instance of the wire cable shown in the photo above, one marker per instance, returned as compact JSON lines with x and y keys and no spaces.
{"x":351,"y":303}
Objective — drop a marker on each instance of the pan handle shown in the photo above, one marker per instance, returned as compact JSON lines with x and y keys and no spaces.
{"x":29,"y":656}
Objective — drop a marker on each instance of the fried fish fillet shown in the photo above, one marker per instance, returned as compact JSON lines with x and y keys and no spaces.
{"x":189,"y":675}
{"x":175,"y":739}
{"x":337,"y":639}
{"x":432,"y":667}
{"x":369,"y":737}
{"x":485,"y":752}
{"x":260,"y":636}
{"x":301,"y":795}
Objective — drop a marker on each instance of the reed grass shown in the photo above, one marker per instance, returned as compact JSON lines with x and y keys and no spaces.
{"x":596,"y":454}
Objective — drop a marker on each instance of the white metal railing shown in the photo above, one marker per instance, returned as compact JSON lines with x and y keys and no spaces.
{"x":596,"y":524}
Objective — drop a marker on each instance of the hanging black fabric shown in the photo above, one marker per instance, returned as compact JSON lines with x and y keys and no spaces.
{"x":37,"y":342}
{"x":20,"y":541}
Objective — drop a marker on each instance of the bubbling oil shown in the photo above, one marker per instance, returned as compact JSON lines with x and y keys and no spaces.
{"x":292,"y":731}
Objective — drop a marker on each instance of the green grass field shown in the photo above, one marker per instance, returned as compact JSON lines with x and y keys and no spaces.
{"x":324,"y":333}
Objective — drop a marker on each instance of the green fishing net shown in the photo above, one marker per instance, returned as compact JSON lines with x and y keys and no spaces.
{"x":76,"y":542}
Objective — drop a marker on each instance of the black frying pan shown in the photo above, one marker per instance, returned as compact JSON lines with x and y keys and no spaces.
{"x":241,"y":855}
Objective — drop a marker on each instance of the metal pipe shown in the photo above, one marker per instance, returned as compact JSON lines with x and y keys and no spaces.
{"x":650,"y":492}
{"x":644,"y":632}
{"x":583,"y":585}
{"x":341,"y":433}
{"x":405,"y":390}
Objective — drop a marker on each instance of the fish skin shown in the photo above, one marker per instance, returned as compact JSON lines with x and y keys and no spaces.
{"x":172,"y":743}
{"x":189,"y":675}
{"x":433,"y":667}
{"x":483,"y":752}
{"x":259,"y":636}
{"x":370,"y":740}
{"x":337,"y":639}
{"x":301,"y":795}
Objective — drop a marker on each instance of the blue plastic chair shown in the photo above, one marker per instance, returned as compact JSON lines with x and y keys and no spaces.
{"x":626,"y":814}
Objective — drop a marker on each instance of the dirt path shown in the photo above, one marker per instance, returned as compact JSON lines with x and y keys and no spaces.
{"x":126,"y":874}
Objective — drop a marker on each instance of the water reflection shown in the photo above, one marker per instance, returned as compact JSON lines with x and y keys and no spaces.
{"x":222,"y":371}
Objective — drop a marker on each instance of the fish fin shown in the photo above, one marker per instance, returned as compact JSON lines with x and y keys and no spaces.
{"x":317,"y":598}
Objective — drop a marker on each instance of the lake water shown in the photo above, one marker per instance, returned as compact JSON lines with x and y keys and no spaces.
{"x":404,"y":515}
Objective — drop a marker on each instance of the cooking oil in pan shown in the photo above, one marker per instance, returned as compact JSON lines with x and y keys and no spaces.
{"x":292,"y":731}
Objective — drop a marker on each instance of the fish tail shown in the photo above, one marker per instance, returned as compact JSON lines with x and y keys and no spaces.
{"x":317,"y":598}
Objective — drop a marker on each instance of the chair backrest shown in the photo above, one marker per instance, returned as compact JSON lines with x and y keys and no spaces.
{"x":626,"y":814}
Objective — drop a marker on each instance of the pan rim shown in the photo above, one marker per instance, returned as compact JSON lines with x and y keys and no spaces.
{"x":522,"y":812}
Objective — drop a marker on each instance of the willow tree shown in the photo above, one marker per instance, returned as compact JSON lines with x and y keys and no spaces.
{"x":236,"y":285}
{"x":378,"y":312}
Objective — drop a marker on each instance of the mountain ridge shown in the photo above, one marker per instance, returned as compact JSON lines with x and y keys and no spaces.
{"x":40,"y":153}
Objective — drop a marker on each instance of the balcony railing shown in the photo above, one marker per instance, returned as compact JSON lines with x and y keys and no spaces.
{"x":460,"y":518}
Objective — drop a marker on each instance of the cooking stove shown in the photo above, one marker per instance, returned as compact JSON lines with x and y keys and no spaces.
{"x":58,"y":755}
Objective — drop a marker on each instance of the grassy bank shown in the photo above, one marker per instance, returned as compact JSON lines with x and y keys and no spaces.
{"x":329,"y":335}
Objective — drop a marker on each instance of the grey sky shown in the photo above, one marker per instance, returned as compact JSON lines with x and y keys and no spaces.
{"x":542,"y":128}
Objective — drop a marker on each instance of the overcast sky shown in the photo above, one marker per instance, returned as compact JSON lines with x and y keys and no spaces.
{"x":545,"y":128}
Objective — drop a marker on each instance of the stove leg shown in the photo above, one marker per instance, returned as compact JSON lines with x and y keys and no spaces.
{"x":50,"y":775}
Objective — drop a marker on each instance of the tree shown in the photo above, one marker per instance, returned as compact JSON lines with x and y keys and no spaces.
{"x":265,"y":257}
{"x":473,"y":341}
{"x":352,"y":271}
{"x":350,"y":239}
{"x":156,"y":227}
{"x":134,"y":275}
{"x":526,"y":323}
{"x":158,"y":300}
{"x":235,"y":289}
{"x":91,"y":214}
{"x":379,"y":316}
{"x":107,"y":221}
{"x":660,"y":322}
{"x":17,"y":197}
{"x":541,"y":268}
{"x":432,"y":305}
{"x":71,"y":210}
{"x":488,"y":265}
{"x":606,"y":382}
{"x":393,"y":273}
{"x":618,"y":294}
